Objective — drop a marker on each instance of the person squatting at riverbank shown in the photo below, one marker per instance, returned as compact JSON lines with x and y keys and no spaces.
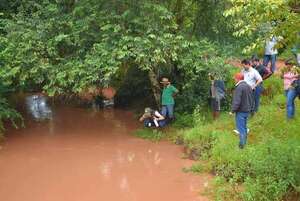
{"x":217,"y":93}
{"x":290,"y":75}
{"x":168,"y":102}
{"x":152,"y":118}
{"x":253,"y":78}
{"x":242,"y":105}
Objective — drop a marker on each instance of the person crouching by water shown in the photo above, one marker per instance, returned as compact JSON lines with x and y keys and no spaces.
{"x":217,"y":92}
{"x":290,"y":75}
{"x":168,"y":102}
{"x":152,"y":118}
{"x":242,"y":105}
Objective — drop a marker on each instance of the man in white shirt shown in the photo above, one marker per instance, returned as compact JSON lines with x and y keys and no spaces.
{"x":271,"y":53}
{"x":253,"y":78}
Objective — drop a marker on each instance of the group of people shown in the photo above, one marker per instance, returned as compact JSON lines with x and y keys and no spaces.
{"x":248,"y":90}
{"x":246,"y":96}
{"x":154,"y":118}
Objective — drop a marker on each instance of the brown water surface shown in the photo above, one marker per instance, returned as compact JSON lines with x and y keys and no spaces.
{"x":83,"y":155}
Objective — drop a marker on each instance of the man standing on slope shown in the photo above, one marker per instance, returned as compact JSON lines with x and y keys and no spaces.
{"x":252,"y":78}
{"x":168,"y":94}
{"x":242,"y":105}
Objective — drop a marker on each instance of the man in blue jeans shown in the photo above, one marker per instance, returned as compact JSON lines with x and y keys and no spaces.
{"x":168,"y":94}
{"x":254,"y":80}
{"x":271,"y":53}
{"x":242,"y":105}
{"x":265,"y":74}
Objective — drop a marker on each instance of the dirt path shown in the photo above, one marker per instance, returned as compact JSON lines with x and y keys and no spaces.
{"x":90,"y":156}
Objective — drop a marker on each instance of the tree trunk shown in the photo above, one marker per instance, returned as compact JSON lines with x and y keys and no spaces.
{"x":155,"y":86}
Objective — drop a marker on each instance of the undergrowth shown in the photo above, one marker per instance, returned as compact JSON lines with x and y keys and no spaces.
{"x":154,"y":135}
{"x":268,"y":168}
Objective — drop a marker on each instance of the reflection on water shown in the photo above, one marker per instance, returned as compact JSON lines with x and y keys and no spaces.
{"x":37,"y":106}
{"x":90,"y":156}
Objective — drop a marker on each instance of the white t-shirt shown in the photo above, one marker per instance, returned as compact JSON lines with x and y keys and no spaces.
{"x":270,"y":46}
{"x":251,"y":76}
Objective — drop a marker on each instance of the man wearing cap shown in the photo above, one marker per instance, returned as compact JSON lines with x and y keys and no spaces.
{"x":168,"y":94}
{"x":152,"y":118}
{"x":242,"y":105}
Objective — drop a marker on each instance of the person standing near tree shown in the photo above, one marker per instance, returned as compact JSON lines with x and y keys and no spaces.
{"x":217,"y":92}
{"x":242,"y":105}
{"x":253,"y":78}
{"x":168,"y":102}
{"x":271,"y":53}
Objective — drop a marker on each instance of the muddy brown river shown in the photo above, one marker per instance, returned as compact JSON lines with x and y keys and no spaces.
{"x":83,"y":155}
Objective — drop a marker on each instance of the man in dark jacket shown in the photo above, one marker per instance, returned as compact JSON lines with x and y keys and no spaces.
{"x":242,"y":106}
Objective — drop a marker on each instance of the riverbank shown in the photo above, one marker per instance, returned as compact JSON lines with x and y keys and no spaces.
{"x":267,"y":169}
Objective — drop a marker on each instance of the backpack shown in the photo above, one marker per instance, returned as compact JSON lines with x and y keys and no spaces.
{"x":296,"y":84}
{"x":220,"y":87}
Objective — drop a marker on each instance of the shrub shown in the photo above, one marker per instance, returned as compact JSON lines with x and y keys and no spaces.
{"x":7,"y":113}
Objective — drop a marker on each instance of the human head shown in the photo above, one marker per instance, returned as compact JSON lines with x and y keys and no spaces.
{"x":255,"y":60}
{"x":289,"y":64}
{"x":148,"y":112}
{"x":211,"y":76}
{"x":165,"y":81}
{"x":238,"y":77}
{"x":246,"y":64}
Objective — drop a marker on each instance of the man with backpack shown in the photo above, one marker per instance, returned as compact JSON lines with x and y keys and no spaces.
{"x":265,"y":73}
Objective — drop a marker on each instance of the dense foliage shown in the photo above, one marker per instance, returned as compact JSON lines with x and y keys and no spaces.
{"x":261,"y":19}
{"x":68,"y":46}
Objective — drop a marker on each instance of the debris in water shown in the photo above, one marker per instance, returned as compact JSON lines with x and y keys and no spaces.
{"x":37,"y":106}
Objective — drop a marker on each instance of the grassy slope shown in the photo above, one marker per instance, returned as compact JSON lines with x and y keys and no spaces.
{"x":267,"y":169}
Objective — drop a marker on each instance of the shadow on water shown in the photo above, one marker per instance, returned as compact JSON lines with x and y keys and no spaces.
{"x":88,"y":155}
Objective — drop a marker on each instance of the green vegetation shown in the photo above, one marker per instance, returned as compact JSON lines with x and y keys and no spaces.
{"x":7,"y":113}
{"x":260,"y":19}
{"x":268,"y":169}
{"x":69,"y":46}
{"x":149,"y":134}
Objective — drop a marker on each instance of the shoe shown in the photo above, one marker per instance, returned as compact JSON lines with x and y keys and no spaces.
{"x":237,"y":132}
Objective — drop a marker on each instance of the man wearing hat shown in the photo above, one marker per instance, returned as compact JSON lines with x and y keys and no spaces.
{"x":152,"y":118}
{"x":242,"y":106}
{"x":168,"y":94}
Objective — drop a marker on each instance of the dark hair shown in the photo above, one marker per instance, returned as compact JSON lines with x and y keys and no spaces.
{"x":289,"y":62}
{"x":254,"y":58}
{"x":246,"y":62}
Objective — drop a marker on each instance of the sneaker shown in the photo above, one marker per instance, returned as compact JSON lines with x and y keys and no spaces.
{"x":237,"y":132}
